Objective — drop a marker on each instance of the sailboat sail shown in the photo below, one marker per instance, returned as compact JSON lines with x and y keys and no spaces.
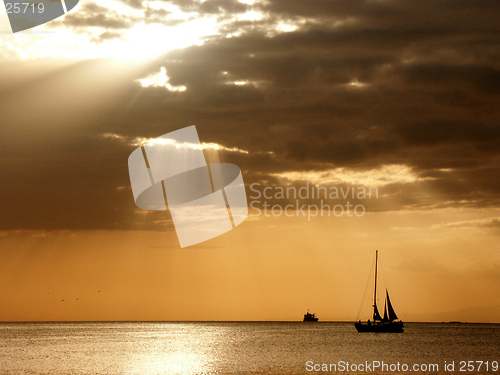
{"x":385,"y":312}
{"x":376,"y":314}
{"x":392,"y":313}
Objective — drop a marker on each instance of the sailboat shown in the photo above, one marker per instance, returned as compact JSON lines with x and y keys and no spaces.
{"x":390,"y":322}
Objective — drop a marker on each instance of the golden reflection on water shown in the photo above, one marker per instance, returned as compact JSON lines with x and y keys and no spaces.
{"x":223,"y":348}
{"x":174,"y":348}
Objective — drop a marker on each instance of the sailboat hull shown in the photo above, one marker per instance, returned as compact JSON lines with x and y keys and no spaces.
{"x":389,"y":327}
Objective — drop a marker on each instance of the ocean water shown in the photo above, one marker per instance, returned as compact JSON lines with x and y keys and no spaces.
{"x":244,"y":348}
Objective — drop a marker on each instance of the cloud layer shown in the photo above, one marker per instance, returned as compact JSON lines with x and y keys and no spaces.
{"x":304,"y":87}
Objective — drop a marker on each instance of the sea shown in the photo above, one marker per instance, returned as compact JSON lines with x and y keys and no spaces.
{"x":122,"y":348}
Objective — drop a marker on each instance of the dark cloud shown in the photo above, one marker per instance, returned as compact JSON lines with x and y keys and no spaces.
{"x":441,"y":132}
{"x":358,"y":85}
{"x":477,"y":77}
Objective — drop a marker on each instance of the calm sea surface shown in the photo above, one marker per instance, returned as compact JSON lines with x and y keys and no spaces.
{"x":239,"y":348}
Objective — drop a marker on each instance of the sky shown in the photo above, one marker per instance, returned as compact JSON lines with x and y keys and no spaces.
{"x":398,"y":96}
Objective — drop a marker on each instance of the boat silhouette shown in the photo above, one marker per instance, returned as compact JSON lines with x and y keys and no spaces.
{"x":390,"y":322}
{"x":308,"y":317}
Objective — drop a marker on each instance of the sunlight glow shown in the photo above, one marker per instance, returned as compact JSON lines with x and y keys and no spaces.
{"x":384,"y":175}
{"x":139,"y":141}
{"x":239,"y":83}
{"x":141,"y":36}
{"x":286,"y":27}
{"x":229,"y":80}
{"x":245,"y":82}
{"x":160,"y":80}
{"x":113,"y":29}
{"x":357,"y":84}
{"x":251,"y":15}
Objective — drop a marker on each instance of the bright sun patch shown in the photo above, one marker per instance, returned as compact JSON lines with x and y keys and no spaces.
{"x":113,"y":29}
{"x":160,"y":80}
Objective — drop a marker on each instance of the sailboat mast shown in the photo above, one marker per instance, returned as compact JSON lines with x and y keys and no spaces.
{"x":375,"y":291}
